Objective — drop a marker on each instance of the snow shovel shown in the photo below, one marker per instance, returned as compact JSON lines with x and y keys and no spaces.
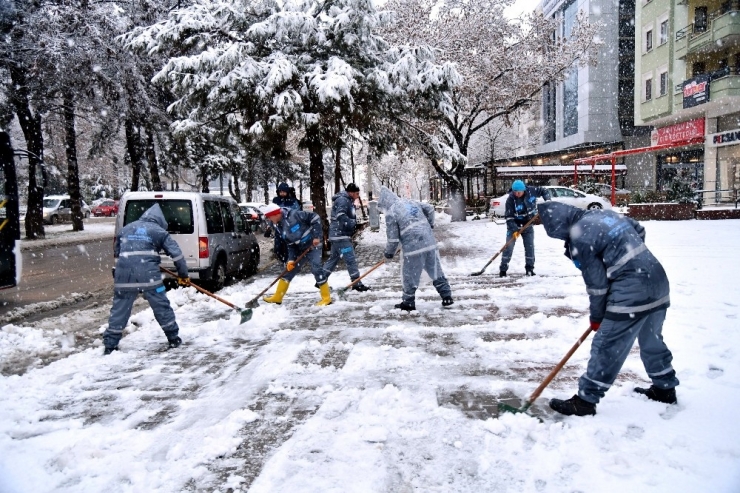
{"x":254,"y":302}
{"x":513,"y":238}
{"x":245,"y":314}
{"x":502,"y":407}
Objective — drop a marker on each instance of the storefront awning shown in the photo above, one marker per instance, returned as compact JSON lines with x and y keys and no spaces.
{"x":556,"y":170}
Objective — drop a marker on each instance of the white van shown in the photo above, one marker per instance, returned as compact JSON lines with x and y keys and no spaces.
{"x":210,"y":230}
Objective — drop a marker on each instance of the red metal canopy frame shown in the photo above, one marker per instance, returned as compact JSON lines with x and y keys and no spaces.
{"x":627,"y":152}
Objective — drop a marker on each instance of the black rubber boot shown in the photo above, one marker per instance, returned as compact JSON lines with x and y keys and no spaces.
{"x":575,"y":406}
{"x":530,"y":271}
{"x":409,"y":307}
{"x":174,"y":342}
{"x":109,"y":350}
{"x":448,"y":301}
{"x":502,"y":273}
{"x":360,"y":287}
{"x":666,"y":396}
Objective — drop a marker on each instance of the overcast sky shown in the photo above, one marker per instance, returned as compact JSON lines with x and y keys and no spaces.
{"x":521,"y":6}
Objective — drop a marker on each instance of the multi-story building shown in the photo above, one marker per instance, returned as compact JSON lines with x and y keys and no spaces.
{"x":687,"y":77}
{"x":591,"y":111}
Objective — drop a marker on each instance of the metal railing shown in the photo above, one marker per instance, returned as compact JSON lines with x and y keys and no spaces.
{"x":730,"y":6}
{"x":715,"y":75}
{"x":699,"y":194}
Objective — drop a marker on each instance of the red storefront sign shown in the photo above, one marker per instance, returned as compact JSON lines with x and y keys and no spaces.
{"x":679,"y":133}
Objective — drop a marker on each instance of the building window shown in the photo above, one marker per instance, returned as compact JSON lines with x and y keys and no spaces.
{"x":648,"y":89}
{"x":549,"y":111}
{"x":648,"y":40}
{"x":663,"y":32}
{"x":700,"y":19}
{"x":570,"y":103}
{"x":698,"y":68}
{"x":663,"y":83}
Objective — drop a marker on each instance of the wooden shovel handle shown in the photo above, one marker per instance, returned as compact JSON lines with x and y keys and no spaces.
{"x":285,"y":271}
{"x":208,"y":293}
{"x":520,"y":231}
{"x":559,"y":367}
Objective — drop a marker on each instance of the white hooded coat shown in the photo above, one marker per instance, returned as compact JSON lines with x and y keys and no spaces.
{"x":407,"y":222}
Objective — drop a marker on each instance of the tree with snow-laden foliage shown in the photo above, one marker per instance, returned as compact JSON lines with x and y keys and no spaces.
{"x":504,"y":63}
{"x":264,"y":66}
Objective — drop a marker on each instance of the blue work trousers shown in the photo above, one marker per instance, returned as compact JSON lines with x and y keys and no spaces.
{"x":528,"y":238}
{"x":313,"y":258}
{"x":120,"y":312}
{"x":342,"y":249}
{"x":411,"y":273}
{"x":611,"y":346}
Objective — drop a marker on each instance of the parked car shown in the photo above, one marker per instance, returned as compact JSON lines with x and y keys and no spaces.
{"x":308,"y":205}
{"x":107,"y":208}
{"x":565,"y":195}
{"x":58,"y":208}
{"x":210,"y":229}
{"x":605,"y":190}
{"x":254,"y":217}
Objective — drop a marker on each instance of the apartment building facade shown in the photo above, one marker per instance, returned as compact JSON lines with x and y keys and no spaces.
{"x":687,"y":80}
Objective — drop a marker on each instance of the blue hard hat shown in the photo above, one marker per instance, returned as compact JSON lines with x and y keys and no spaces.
{"x":518,"y":186}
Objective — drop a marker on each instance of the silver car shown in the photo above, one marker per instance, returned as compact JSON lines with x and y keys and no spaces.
{"x":565,"y":195}
{"x":58,"y":208}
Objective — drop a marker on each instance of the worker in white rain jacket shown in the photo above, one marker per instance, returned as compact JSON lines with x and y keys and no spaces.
{"x":409,"y":224}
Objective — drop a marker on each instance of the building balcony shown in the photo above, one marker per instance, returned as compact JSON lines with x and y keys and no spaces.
{"x":721,"y":28}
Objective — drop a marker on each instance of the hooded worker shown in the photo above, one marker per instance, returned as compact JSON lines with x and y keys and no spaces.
{"x":301,"y":231}
{"x":409,"y":224}
{"x":136,"y":250}
{"x":629,"y":296}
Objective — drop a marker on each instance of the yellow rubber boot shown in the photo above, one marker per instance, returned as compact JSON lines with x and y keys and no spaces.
{"x":282,"y":287}
{"x":325,"y":295}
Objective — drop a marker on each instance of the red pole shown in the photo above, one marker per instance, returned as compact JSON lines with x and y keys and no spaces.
{"x":614,"y":181}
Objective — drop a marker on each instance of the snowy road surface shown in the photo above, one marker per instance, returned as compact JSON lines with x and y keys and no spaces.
{"x":360,"y":397}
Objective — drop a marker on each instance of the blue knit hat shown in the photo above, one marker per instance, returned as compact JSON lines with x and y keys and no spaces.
{"x":518,"y":186}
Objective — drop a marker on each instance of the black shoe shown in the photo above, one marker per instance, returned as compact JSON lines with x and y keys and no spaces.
{"x":109,"y":350}
{"x":530,"y":271}
{"x":174,"y":342}
{"x":360,"y":287}
{"x":448,"y":301}
{"x":573,"y":406}
{"x":666,"y":396}
{"x":502,"y":273}
{"x":409,"y":307}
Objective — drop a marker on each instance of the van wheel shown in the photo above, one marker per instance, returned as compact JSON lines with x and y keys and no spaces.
{"x":53,"y":220}
{"x":219,"y":276}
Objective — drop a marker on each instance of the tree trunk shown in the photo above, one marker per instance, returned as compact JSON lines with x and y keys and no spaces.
{"x":250,"y":179}
{"x":266,"y":190}
{"x":337,"y":167}
{"x":31,"y":127}
{"x":133,"y":146}
{"x":73,"y":169}
{"x":151,"y":157}
{"x":454,"y":185}
{"x":12,"y":228}
{"x":316,"y":171}
{"x":204,"y":181}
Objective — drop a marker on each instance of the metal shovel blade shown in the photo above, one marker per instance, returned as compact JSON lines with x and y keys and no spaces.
{"x":477,"y":273}
{"x":342,"y":293}
{"x":254,"y":303}
{"x":246,"y":315}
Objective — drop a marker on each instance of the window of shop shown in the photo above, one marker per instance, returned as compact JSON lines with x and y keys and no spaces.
{"x":686,"y":167}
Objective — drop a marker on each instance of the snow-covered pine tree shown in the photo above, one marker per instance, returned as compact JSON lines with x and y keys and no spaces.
{"x":265,"y":66}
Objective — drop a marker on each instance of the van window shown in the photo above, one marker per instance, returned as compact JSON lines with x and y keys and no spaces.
{"x":214,"y":221}
{"x":51,"y":203}
{"x":178,"y":213}
{"x":228,"y":218}
{"x":238,"y":219}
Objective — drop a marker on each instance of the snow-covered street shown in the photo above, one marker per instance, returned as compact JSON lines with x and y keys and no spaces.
{"x":360,"y":397}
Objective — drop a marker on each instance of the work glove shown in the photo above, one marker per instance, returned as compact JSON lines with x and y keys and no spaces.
{"x":595,"y":325}
{"x":113,"y":272}
{"x":290,"y":265}
{"x":316,"y":242}
{"x":515,"y":234}
{"x":183,"y":281}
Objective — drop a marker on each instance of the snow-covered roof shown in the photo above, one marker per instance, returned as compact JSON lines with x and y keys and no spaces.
{"x":556,"y":169}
